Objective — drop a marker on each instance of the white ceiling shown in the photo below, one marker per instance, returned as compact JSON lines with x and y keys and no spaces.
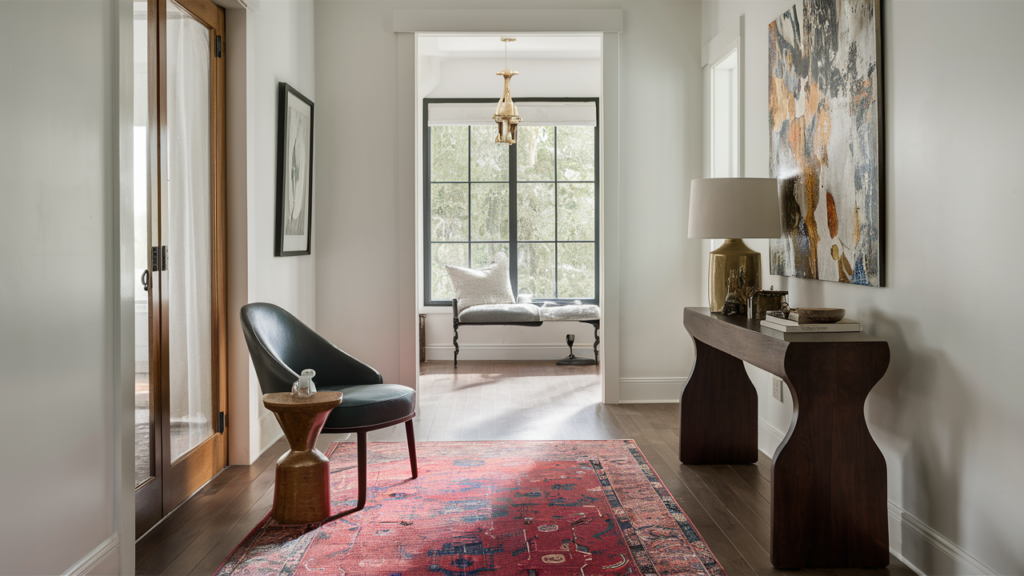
{"x":526,"y":47}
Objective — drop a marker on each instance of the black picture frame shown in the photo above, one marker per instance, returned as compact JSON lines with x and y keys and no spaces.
{"x":294,"y":173}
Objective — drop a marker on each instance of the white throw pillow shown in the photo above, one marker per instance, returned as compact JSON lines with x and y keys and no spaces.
{"x":487,"y":285}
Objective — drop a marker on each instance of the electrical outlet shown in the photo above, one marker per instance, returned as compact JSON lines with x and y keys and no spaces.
{"x":777,"y":388}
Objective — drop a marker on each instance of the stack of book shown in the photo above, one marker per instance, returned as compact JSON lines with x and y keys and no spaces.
{"x":793,"y":326}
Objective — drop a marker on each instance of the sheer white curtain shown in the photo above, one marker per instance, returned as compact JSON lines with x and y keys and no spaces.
{"x":188,"y":231}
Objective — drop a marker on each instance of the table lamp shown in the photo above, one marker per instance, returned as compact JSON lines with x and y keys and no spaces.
{"x":732,"y":209}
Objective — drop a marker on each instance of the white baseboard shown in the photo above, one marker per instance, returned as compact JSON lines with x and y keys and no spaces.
{"x":658,"y":390}
{"x":268,"y":431}
{"x":445,"y":352}
{"x":768,"y":437}
{"x":926,"y":551}
{"x":916,"y":544}
{"x":103,"y":560}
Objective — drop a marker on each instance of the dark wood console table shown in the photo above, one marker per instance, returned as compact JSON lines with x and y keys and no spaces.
{"x":828,"y":484}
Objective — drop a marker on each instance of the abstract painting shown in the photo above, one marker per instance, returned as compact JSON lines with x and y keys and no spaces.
{"x":294,"y":173}
{"x":825,"y":121}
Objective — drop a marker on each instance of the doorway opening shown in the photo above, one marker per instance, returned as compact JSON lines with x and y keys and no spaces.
{"x":535,"y":204}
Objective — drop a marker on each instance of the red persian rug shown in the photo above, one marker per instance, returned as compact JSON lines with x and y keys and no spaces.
{"x":501,"y":508}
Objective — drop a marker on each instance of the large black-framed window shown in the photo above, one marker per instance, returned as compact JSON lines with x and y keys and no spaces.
{"x":536,"y":200}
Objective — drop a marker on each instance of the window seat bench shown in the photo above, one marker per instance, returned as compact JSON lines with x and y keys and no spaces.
{"x":524,"y":315}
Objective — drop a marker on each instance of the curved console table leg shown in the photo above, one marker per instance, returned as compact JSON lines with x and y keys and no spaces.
{"x":828,"y":475}
{"x":718,"y":411}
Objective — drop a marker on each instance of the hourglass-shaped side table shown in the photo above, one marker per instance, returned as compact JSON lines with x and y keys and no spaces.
{"x":302,"y":489}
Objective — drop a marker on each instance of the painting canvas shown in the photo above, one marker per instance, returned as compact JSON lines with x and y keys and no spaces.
{"x":294,"y":173}
{"x":825,"y":121}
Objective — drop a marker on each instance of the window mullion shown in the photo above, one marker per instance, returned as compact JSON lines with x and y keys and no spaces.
{"x":469,"y":197}
{"x":513,"y":217}
{"x":556,"y":211}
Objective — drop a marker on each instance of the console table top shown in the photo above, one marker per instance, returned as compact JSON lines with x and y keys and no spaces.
{"x":704,"y":317}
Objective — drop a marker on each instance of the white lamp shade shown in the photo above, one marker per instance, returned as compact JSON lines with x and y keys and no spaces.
{"x":734,"y":208}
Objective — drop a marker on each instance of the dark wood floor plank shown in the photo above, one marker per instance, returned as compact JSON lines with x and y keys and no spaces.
{"x":234,"y":536}
{"x":758,"y":528}
{"x":172,"y":536}
{"x":510,"y":401}
{"x":215,"y":530}
{"x":757,"y":503}
{"x":752,"y":476}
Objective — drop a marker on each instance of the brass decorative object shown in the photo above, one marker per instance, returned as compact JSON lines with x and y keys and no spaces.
{"x":761,"y":302}
{"x":506,"y":115}
{"x":732,"y":258}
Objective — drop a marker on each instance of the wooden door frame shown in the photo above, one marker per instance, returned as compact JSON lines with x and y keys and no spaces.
{"x":176,"y":481}
{"x":149,"y":494}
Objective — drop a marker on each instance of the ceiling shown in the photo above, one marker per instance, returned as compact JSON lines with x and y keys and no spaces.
{"x":529,"y":47}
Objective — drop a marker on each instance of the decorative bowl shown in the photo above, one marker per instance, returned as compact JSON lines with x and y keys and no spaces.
{"x":820,"y":315}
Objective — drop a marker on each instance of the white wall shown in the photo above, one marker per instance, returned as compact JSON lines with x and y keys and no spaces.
{"x":949,"y":414}
{"x":271,"y":45}
{"x":360,"y":255}
{"x":60,"y":293}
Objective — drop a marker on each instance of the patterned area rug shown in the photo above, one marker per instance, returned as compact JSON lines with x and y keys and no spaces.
{"x":501,"y":508}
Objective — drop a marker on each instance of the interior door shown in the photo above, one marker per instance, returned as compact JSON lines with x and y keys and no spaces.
{"x":188,"y":371}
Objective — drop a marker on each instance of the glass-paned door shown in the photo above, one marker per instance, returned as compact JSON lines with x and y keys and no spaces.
{"x":186,"y":250}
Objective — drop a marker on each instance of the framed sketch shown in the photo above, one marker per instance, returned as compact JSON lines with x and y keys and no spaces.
{"x":825,"y":120}
{"x":294,"y":222}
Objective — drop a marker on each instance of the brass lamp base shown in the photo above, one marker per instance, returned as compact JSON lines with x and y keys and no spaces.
{"x":733,"y":254}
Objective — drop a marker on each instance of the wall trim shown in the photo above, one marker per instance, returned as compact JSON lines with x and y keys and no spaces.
{"x":943,"y":550}
{"x":651,"y":390}
{"x":502,"y":20}
{"x":94,"y":559}
{"x":930,"y":548}
{"x":768,"y":437}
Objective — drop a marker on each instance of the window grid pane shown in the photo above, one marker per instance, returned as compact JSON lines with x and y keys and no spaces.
{"x":449,"y":212}
{"x":490,"y":211}
{"x":483,"y":253}
{"x":449,"y":150}
{"x":456,"y":254}
{"x":488,"y":162}
{"x":555,"y":200}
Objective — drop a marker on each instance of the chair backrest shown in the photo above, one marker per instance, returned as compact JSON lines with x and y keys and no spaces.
{"x":281,"y":346}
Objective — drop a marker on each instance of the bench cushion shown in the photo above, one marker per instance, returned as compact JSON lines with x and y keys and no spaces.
{"x":571,"y":313}
{"x":500,"y":313}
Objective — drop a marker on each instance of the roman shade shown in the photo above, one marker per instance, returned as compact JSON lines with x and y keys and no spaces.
{"x":533,"y":113}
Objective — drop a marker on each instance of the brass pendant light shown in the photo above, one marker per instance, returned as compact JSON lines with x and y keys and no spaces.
{"x":506,"y":115}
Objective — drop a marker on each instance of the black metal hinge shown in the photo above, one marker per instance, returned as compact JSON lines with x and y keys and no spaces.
{"x":154,"y":264}
{"x":220,"y":423}
{"x":163,"y":258}
{"x":220,"y":47}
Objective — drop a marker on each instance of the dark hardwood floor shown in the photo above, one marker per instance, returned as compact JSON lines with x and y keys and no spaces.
{"x":729,"y":505}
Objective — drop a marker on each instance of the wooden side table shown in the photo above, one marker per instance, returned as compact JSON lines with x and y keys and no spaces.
{"x":828,"y":506}
{"x":302,"y":490}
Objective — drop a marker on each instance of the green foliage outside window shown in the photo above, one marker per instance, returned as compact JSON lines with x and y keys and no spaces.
{"x":554,"y":193}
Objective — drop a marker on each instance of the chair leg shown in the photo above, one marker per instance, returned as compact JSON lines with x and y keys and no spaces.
{"x":361,"y":464}
{"x":411,"y":437}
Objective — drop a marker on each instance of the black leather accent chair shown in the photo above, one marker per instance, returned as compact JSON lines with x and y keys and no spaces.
{"x":281,"y":346}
